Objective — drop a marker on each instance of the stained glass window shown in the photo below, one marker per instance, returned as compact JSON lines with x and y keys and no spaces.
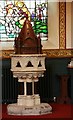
{"x":13,"y":14}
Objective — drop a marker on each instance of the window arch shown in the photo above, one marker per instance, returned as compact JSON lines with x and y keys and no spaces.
{"x":12,"y":16}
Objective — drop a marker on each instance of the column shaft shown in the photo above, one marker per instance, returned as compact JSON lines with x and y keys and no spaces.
{"x":25,"y":89}
{"x":33,"y":87}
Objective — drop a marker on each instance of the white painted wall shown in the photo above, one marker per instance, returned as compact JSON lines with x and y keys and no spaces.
{"x":53,"y":27}
{"x":69,"y":25}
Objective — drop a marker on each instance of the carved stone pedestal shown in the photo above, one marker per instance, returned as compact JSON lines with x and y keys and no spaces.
{"x":28,"y":68}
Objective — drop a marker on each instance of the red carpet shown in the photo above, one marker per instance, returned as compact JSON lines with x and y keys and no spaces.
{"x":60,"y":112}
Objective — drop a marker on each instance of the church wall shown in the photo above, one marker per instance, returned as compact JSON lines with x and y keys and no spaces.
{"x":49,"y":85}
{"x":53,"y":27}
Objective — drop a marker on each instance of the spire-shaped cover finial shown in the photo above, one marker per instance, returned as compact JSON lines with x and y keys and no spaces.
{"x":27,"y":42}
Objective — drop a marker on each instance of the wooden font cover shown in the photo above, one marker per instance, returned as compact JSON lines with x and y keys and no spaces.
{"x":27,"y":42}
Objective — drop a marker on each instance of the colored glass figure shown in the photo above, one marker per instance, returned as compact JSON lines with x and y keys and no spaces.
{"x":14,"y":13}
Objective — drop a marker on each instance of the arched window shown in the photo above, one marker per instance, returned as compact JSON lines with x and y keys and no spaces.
{"x":13,"y":14}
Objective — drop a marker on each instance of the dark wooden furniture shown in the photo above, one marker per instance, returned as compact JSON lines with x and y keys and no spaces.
{"x":63,"y":98}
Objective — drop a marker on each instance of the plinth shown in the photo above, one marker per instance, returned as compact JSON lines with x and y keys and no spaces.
{"x":28,"y":68}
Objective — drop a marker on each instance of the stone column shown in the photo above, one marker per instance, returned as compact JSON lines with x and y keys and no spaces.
{"x":33,"y":88}
{"x":25,"y":89}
